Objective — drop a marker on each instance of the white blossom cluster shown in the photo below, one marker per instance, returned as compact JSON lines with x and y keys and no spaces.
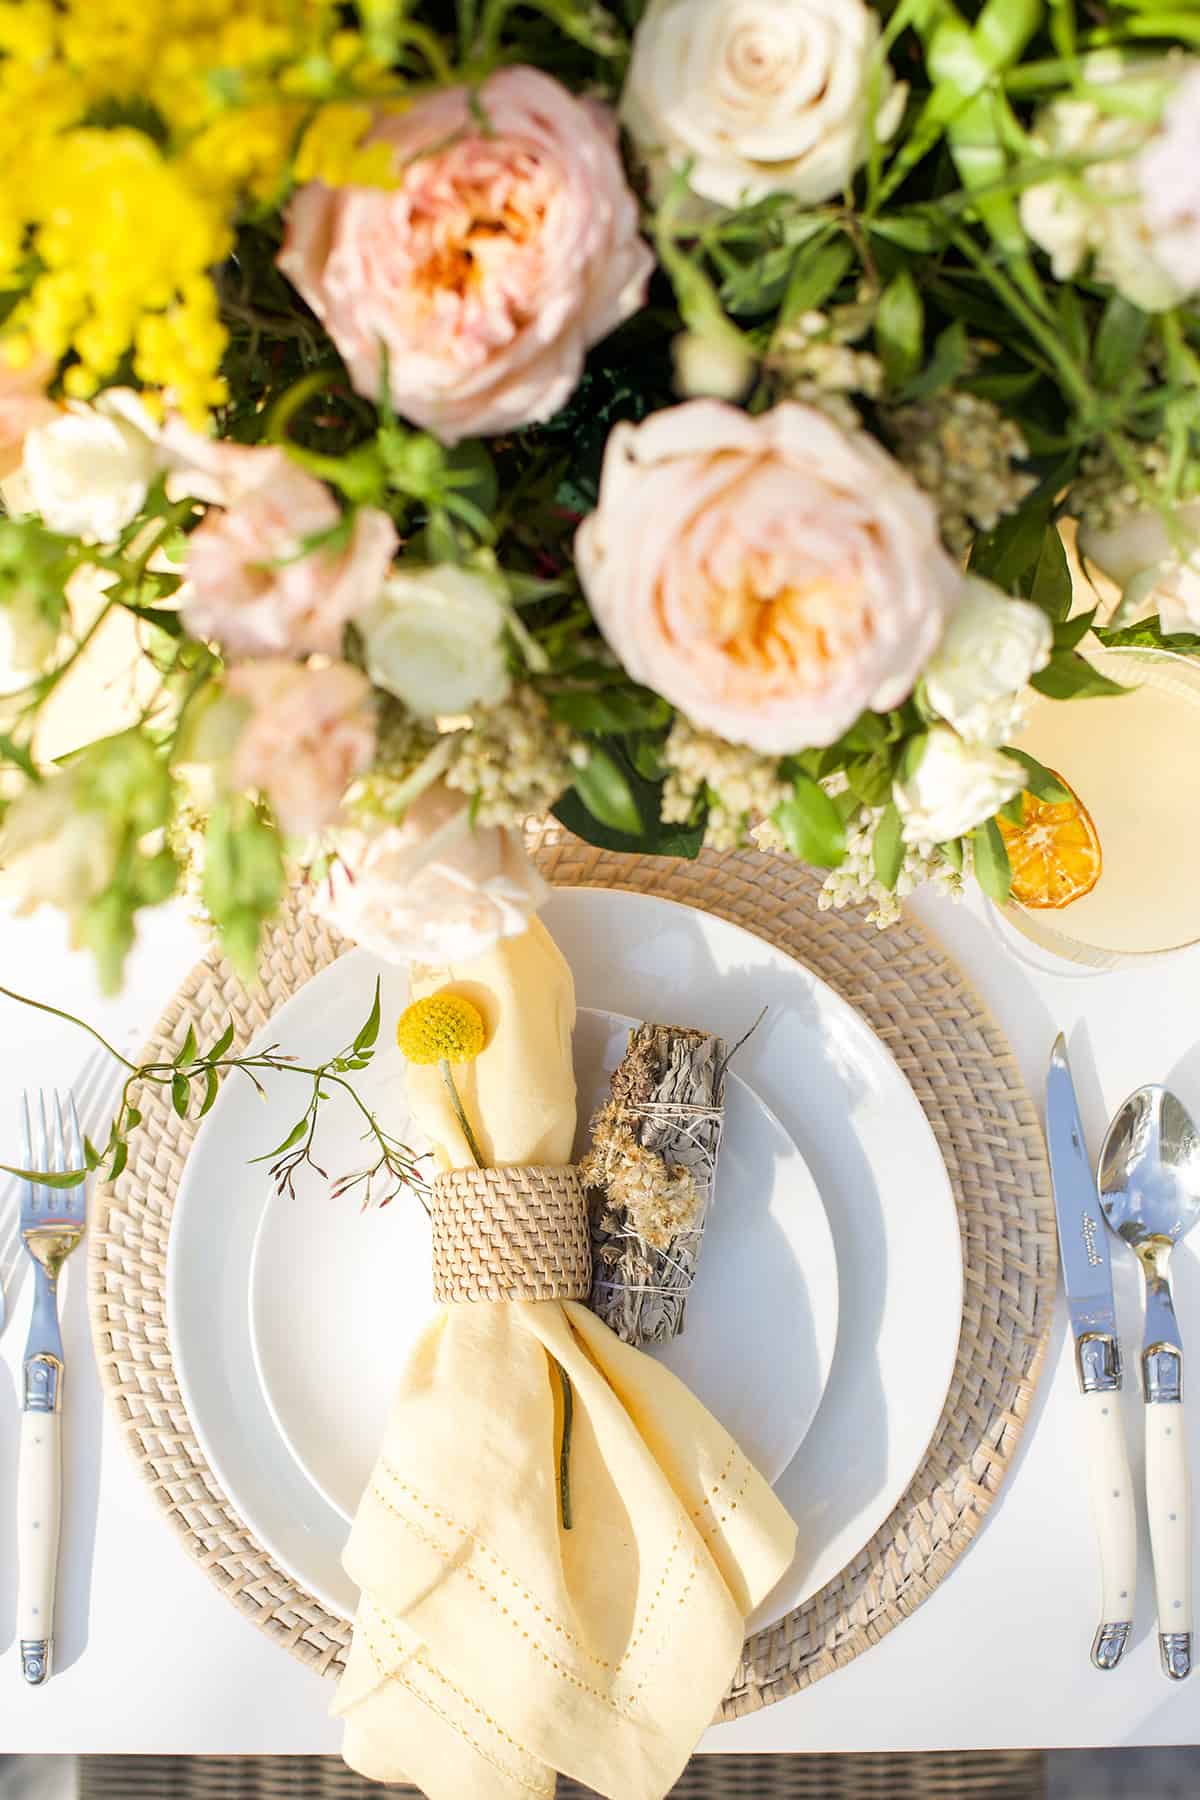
{"x":740,"y":785}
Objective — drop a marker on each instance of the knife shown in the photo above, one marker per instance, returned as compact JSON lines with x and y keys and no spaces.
{"x":1087,"y":1276}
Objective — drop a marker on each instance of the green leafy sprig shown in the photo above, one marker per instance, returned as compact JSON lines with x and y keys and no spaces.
{"x":194,"y":1076}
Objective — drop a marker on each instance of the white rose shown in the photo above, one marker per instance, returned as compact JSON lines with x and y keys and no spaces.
{"x":1100,"y":210}
{"x":88,"y":471}
{"x":434,"y":889}
{"x":759,"y":96}
{"x":954,"y":787}
{"x":1169,"y":178}
{"x":1139,"y":555}
{"x":990,"y":648}
{"x":435,"y":639}
{"x":53,"y":852}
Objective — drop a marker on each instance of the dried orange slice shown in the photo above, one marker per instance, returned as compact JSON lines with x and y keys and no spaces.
{"x":1054,"y":852}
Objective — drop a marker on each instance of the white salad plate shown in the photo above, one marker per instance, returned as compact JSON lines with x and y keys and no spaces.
{"x":289,"y":1319}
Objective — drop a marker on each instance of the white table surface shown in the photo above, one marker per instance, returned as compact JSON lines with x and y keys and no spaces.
{"x":151,"y":1658}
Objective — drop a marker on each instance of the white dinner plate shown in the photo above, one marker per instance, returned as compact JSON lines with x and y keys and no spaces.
{"x":767,"y":1278}
{"x":813,"y":1061}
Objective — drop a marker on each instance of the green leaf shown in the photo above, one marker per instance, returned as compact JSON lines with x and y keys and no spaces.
{"x":606,"y":793}
{"x":613,"y":712}
{"x":120,"y":1158}
{"x":132,"y":1117}
{"x":887,"y":847}
{"x":953,"y":853}
{"x":67,"y":1178}
{"x":91,"y":1155}
{"x":870,"y":777}
{"x":811,"y":824}
{"x":293,"y":1137}
{"x":1014,"y":810}
{"x":186,"y":1052}
{"x":1013,"y":549}
{"x":1148,"y":635}
{"x":910,"y":756}
{"x":816,"y":274}
{"x":180,"y":1094}
{"x":370,"y":1029}
{"x":951,"y":354}
{"x":653,"y":837}
{"x":1040,"y":781}
{"x":1119,"y":339}
{"x":1070,"y":677}
{"x":18,"y":756}
{"x":900,"y":329}
{"x":911,"y":231}
{"x":212,"y":1087}
{"x":1050,"y":584}
{"x":993,"y":871}
{"x":1070,"y":632}
{"x":222,"y":1044}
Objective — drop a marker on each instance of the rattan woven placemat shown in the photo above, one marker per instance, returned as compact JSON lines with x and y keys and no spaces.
{"x":963,"y":1074}
{"x":937,"y":1775}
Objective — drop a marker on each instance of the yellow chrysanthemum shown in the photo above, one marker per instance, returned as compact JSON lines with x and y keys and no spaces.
{"x":441,"y":1028}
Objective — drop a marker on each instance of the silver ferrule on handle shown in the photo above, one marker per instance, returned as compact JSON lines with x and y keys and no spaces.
{"x":1098,"y":1363}
{"x":42,"y":1390}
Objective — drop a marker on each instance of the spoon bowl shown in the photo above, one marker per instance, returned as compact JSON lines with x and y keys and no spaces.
{"x":1149,"y":1187}
{"x":1149,"y":1176}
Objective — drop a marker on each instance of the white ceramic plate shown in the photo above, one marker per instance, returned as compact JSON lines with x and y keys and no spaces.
{"x":820,"y":1070}
{"x":768,"y":1278}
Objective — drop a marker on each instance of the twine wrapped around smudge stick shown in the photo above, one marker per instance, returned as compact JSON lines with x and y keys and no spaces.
{"x":651,"y":1171}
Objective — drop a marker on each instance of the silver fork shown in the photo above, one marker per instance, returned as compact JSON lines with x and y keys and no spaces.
{"x":52,"y":1223}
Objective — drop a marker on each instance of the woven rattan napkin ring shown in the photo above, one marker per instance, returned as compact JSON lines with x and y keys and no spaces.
{"x":510,"y":1234}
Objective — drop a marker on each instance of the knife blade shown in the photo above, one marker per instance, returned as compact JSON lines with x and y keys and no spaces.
{"x":1087,"y":1277}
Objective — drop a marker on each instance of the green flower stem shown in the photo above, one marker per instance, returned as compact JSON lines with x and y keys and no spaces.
{"x":564,"y":1454}
{"x":460,"y":1112}
{"x":1039,"y":330}
{"x":58,"y":1013}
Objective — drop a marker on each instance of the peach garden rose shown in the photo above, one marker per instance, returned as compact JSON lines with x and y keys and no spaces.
{"x":251,"y":585}
{"x":771,"y":576}
{"x":309,"y":733}
{"x":23,"y":405}
{"x":508,"y":247}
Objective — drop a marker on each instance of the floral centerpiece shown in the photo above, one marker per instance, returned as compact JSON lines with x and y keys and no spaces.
{"x":659,"y":412}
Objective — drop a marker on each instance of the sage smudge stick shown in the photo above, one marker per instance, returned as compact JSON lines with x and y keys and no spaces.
{"x":652,"y":1167}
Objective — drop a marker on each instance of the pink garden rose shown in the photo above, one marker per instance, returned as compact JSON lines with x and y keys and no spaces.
{"x":434,"y":889}
{"x":310,"y":732}
{"x":249,"y":586}
{"x":770,"y":576}
{"x":23,"y":405}
{"x":507,"y":248}
{"x":1169,"y":179}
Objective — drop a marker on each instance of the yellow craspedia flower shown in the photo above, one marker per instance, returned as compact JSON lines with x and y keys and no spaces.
{"x":441,"y":1028}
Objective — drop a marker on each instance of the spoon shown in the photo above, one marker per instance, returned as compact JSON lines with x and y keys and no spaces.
{"x":1149,"y":1182}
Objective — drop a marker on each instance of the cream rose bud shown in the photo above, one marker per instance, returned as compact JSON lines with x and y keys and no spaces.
{"x":434,"y":889}
{"x":88,"y":470}
{"x":770,"y":576}
{"x":508,"y":246}
{"x":1142,"y":557}
{"x":991,"y":647}
{"x":755,"y":97}
{"x":435,"y":639}
{"x":710,"y":367}
{"x":954,"y":787}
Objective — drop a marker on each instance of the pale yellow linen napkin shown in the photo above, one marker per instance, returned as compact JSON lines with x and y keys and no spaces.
{"x":492,"y":1647}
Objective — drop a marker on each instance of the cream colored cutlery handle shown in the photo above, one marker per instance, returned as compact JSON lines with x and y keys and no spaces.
{"x":39,"y":1506}
{"x":1169,"y":1508}
{"x":1111,"y":1484}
